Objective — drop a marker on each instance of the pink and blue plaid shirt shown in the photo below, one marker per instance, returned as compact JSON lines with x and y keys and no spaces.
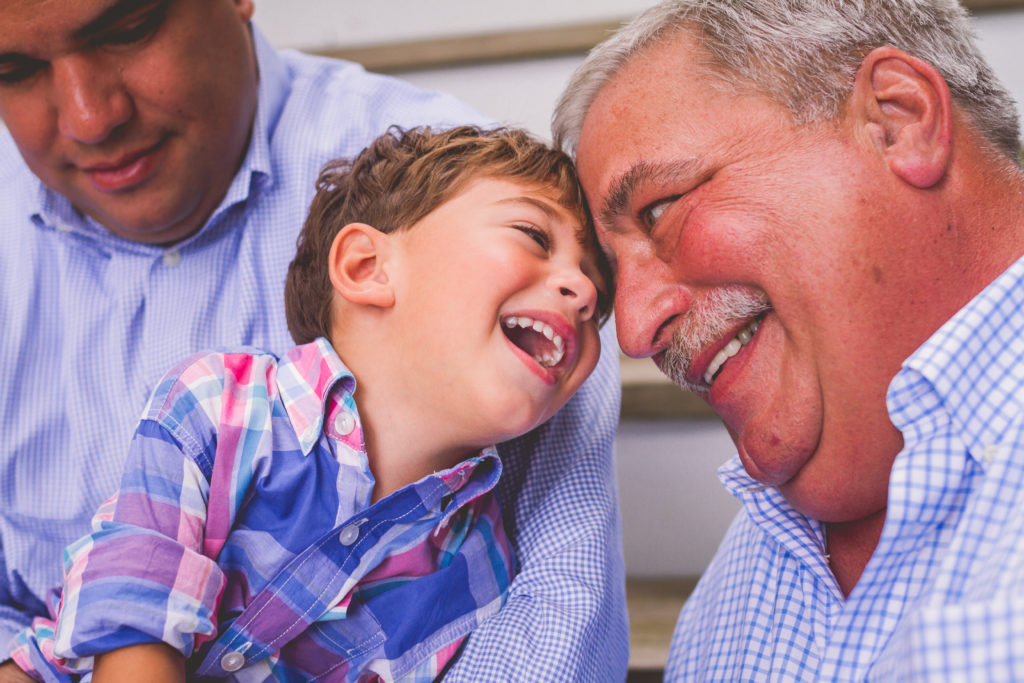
{"x":243,"y":535}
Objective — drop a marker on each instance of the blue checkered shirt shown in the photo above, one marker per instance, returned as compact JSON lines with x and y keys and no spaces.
{"x":941,"y":598}
{"x":92,"y":321}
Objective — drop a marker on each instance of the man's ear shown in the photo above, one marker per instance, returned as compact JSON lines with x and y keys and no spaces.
{"x":357,"y":263}
{"x":905,"y":104}
{"x":245,"y":9}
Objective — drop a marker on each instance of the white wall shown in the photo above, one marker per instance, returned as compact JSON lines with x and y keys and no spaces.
{"x":314,"y":23}
{"x":674,"y":510}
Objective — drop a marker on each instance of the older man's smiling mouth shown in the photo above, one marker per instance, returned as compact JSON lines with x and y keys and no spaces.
{"x":731,"y":349}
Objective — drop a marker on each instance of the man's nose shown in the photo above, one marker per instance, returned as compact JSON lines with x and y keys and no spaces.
{"x":648,"y":297}
{"x":90,"y":98}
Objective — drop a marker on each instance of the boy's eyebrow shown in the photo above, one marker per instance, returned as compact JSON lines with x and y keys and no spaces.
{"x":113,"y":14}
{"x":583,"y":234}
{"x":532,"y":201}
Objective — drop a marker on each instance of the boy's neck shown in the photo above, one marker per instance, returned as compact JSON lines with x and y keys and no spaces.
{"x":404,"y":433}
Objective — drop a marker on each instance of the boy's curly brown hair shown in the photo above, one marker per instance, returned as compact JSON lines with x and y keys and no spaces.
{"x":401,"y":177}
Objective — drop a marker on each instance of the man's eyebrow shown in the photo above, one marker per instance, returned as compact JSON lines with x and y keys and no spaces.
{"x":622,"y":188}
{"x":113,"y":14}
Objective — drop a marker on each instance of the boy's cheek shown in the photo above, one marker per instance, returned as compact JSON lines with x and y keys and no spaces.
{"x":590,"y":355}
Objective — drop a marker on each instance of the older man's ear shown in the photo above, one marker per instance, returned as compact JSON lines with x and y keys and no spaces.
{"x":905,"y":106}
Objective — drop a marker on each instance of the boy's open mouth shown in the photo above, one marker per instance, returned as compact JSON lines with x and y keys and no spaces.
{"x":536,"y":338}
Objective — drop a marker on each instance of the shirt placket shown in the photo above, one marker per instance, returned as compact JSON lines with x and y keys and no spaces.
{"x":286,"y":606}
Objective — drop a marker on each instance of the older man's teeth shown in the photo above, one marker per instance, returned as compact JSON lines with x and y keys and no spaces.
{"x":548,"y":358}
{"x":730,"y":350}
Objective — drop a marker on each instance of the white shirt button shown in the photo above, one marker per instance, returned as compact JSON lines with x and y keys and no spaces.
{"x":63,"y":227}
{"x":990,"y":453}
{"x":172,"y":258}
{"x":232,"y":661}
{"x":344,"y":423}
{"x":349,"y":535}
{"x":310,"y":434}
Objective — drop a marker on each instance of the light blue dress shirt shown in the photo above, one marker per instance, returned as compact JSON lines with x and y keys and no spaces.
{"x":941,"y":598}
{"x":92,"y":321}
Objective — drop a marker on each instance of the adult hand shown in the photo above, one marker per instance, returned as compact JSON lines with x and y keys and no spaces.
{"x":10,"y":673}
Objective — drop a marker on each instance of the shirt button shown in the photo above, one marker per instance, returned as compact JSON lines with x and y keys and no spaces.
{"x":310,"y":434}
{"x":63,"y":227}
{"x":349,"y":535}
{"x":344,"y":423}
{"x":172,"y":258}
{"x":232,"y":661}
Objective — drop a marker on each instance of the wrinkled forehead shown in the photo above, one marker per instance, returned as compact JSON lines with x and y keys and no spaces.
{"x":637,"y":119}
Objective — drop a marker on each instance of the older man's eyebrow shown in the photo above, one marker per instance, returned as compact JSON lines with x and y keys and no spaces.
{"x":643,"y":173}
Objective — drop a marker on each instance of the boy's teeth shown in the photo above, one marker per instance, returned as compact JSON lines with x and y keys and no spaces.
{"x":730,"y":350}
{"x":547,"y":359}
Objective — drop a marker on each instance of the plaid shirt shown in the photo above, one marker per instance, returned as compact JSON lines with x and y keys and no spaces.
{"x":940,"y":598}
{"x":243,"y":535}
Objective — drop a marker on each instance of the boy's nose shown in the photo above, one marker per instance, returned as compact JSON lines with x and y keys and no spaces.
{"x":574,"y":284}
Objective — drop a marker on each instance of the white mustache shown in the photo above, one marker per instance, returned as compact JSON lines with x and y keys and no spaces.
{"x":708,"y":320}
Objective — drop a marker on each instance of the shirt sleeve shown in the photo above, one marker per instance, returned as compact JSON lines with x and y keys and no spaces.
{"x":565,"y":618}
{"x":142,"y":574}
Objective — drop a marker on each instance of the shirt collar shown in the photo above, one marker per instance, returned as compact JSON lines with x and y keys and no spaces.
{"x":973,"y":366}
{"x":470,"y":479}
{"x":305,"y":377}
{"x":255,"y":172}
{"x":256,"y":169}
{"x":308,"y":374}
{"x":767,"y":508}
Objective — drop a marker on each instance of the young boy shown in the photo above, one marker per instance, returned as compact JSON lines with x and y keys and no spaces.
{"x":267,"y":530}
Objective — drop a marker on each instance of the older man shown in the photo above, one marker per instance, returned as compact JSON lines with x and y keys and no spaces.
{"x":157,"y":165}
{"x":816,"y":213}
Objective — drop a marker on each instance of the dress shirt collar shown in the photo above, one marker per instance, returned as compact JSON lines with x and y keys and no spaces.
{"x":308,"y":374}
{"x":305,"y":377}
{"x":972,"y":366}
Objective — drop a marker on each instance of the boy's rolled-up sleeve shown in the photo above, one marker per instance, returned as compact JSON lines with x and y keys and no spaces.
{"x":141,"y":575}
{"x":565,"y":618}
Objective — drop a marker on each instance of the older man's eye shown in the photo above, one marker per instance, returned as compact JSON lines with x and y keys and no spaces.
{"x":653,"y":212}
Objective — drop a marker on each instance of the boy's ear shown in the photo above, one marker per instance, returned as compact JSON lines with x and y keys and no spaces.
{"x":906,"y":107}
{"x":357,"y":264}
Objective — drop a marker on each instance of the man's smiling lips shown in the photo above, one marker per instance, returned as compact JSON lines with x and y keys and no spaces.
{"x":702,"y":367}
{"x":124,"y":172}
{"x":727,"y":351}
